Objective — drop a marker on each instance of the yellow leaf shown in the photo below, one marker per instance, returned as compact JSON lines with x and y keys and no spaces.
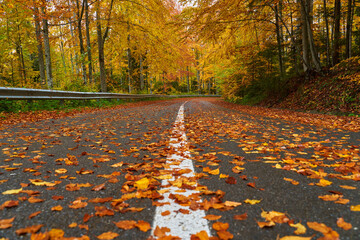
{"x":231,"y":204}
{"x":300,"y":229}
{"x":61,"y":170}
{"x":142,"y":184}
{"x":323,"y":183}
{"x":252,"y":202}
{"x":12,"y":191}
{"x":224,"y":175}
{"x":355,"y":208}
{"x":214,"y":172}
{"x":348,"y":187}
{"x":295,"y":238}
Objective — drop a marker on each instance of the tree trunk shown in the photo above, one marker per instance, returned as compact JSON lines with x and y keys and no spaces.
{"x":349,"y":21}
{"x":328,"y":61}
{"x":62,"y":51}
{"x":47,"y":49}
{"x":88,"y":42}
{"x":336,"y":47}
{"x":188,"y":79}
{"x":304,"y":39}
{"x":39,"y":45}
{"x":279,"y":42}
{"x":129,"y":65}
{"x":101,"y":49}
{"x":141,"y":74}
{"x":82,"y":51}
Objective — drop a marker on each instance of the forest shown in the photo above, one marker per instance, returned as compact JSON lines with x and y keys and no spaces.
{"x":242,"y":49}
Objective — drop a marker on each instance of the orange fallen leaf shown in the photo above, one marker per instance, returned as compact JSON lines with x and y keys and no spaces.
{"x":224,"y":235}
{"x":34,"y":214}
{"x":78,"y":204}
{"x":232,"y":204}
{"x":72,"y":225}
{"x":348,"y":187}
{"x":161,"y":232}
{"x":9,"y":204}
{"x":107,"y":236}
{"x":332,"y":197}
{"x":344,"y":225}
{"x":218,"y":226}
{"x":241,"y":217}
{"x":143,"y":226}
{"x":31,"y":229}
{"x":265,"y":224}
{"x":6,"y":223}
{"x":56,"y":233}
{"x":61,"y":171}
{"x":57,"y":208}
{"x":33,"y":199}
{"x":200,"y":236}
{"x":212,"y":217}
{"x":98,"y":187}
{"x":292,"y":181}
{"x":126,"y":224}
{"x":325,"y":230}
{"x":165,"y":213}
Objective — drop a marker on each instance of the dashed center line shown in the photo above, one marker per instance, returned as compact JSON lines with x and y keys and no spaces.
{"x":182,"y":221}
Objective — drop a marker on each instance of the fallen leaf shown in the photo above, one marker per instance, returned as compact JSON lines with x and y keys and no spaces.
{"x":295,"y":238}
{"x":328,"y":233}
{"x":323,"y":183}
{"x":142,"y":183}
{"x":161,"y":232}
{"x":165,"y":213}
{"x":12,"y":191}
{"x":265,"y":224}
{"x":230,"y":180}
{"x":200,"y":236}
{"x":212,"y":217}
{"x":224,"y":235}
{"x":252,"y":202}
{"x":344,"y":225}
{"x":57,"y":208}
{"x":72,"y":225}
{"x":61,"y":171}
{"x":292,"y":181}
{"x":9,"y":204}
{"x":300,"y":229}
{"x":56,"y":233}
{"x":34,"y":214}
{"x":214,"y":172}
{"x":107,"y":236}
{"x":241,"y":217}
{"x":332,"y":197}
{"x":31,"y":229}
{"x":33,"y":199}
{"x":232,"y":204}
{"x":78,"y":204}
{"x":143,"y":226}
{"x":348,"y":187}
{"x":126,"y":224}
{"x":98,"y":187}
{"x":218,"y":226}
{"x":355,"y":208}
{"x":6,"y":223}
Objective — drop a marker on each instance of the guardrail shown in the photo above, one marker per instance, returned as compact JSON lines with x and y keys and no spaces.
{"x":38,"y":94}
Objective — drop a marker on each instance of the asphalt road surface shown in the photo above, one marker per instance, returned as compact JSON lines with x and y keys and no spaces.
{"x":188,"y":169}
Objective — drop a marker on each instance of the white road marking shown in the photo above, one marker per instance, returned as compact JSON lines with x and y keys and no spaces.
{"x":180,"y":225}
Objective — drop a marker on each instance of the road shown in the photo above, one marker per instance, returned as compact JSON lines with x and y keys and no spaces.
{"x":177,"y":168}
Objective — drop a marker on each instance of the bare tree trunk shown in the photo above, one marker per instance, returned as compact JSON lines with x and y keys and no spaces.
{"x":349,"y":21}
{"x":39,"y":45}
{"x":101,"y":49}
{"x":62,"y":51}
{"x":82,"y":51}
{"x":305,"y":43}
{"x":47,"y":49}
{"x":88,"y":42}
{"x":336,"y":47}
{"x":328,"y":61}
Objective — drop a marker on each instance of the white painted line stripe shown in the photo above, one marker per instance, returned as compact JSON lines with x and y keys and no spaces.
{"x":180,"y":225}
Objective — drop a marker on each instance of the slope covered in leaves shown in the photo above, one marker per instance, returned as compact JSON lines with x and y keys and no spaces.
{"x":338,"y":92}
